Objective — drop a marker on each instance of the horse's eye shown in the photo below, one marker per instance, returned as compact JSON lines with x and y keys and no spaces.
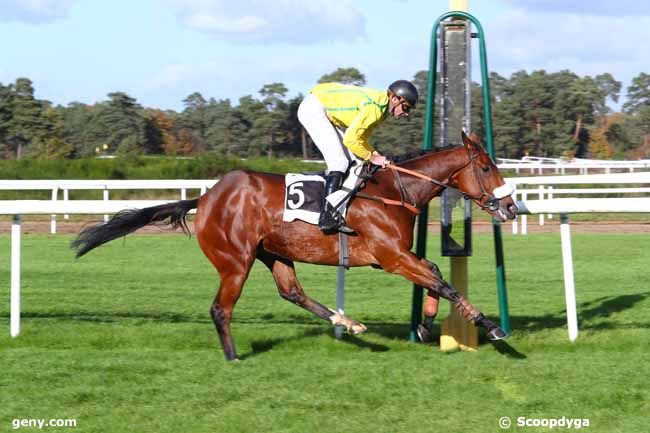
{"x":485,"y":168}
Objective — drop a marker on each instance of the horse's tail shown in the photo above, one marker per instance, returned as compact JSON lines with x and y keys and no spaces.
{"x":130,"y":220}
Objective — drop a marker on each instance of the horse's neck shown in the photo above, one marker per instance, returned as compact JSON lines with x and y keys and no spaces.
{"x":439,"y":165}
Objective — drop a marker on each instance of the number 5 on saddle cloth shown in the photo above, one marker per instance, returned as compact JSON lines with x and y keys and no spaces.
{"x":303,"y":192}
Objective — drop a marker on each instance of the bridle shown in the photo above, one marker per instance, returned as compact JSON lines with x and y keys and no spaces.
{"x":492,"y":202}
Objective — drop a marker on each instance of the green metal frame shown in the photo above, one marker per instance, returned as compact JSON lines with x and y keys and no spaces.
{"x":420,"y":249}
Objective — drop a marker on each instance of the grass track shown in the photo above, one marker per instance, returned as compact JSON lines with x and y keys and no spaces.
{"x":121,"y":340}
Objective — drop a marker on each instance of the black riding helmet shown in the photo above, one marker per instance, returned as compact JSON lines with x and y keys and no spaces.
{"x":405,"y":89}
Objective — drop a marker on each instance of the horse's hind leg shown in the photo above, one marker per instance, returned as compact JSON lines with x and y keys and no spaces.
{"x":284,"y":274}
{"x":221,"y":310}
{"x":234,"y":272}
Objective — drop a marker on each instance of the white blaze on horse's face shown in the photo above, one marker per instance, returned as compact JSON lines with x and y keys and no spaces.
{"x":505,"y":190}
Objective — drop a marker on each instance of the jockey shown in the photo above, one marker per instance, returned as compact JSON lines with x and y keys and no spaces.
{"x":340,"y":118}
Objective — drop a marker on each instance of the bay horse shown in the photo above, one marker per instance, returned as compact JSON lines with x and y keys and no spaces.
{"x":240,"y":219}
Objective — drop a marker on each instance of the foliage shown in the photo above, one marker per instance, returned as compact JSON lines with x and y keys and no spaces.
{"x":209,"y":166}
{"x":345,"y":76}
{"x":535,"y":113}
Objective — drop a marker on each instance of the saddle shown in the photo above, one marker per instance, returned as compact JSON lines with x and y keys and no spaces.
{"x":304,"y":192}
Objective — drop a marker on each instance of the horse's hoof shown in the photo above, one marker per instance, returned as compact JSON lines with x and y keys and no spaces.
{"x":496,"y":334}
{"x":357,"y":329}
{"x":424,"y":334}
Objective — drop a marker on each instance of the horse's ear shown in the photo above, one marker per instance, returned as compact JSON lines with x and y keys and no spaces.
{"x":466,"y":140}
{"x":474,"y":138}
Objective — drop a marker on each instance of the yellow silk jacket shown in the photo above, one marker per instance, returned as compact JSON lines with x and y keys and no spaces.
{"x":356,"y":109}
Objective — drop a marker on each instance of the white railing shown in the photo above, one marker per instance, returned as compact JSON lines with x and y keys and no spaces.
{"x":36,"y":207}
{"x":547,"y":205}
{"x":564,"y":207}
{"x":537,"y":165}
{"x":65,"y":186}
{"x":545,"y":188}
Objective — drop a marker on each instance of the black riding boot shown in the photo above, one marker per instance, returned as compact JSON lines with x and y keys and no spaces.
{"x":330,"y":219}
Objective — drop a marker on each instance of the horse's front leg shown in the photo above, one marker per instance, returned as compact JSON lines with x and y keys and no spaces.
{"x":419,"y":272}
{"x":430,"y":307}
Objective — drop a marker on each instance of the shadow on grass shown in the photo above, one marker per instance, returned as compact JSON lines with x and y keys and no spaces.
{"x":401,"y":331}
{"x":506,"y":349}
{"x":587,"y":311}
{"x":106,"y":317}
{"x":262,"y":346}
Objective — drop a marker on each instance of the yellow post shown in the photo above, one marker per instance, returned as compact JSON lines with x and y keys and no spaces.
{"x":456,"y":333}
{"x":458,"y":5}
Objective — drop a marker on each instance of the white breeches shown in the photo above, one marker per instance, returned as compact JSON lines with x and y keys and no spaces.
{"x":327,"y":137}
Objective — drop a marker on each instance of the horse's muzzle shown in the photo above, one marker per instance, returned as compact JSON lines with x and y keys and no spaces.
{"x":505,"y":208}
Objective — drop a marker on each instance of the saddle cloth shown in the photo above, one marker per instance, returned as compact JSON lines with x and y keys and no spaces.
{"x":303,"y":195}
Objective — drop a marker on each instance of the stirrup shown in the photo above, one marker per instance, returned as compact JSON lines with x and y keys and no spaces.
{"x":333,"y":223}
{"x":344,"y":229}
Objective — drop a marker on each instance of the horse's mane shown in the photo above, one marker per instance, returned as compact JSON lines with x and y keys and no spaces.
{"x":419,"y":152}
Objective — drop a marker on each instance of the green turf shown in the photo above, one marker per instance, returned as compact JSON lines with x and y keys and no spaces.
{"x":121,"y":341}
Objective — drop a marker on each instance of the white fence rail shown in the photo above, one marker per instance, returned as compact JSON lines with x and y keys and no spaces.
{"x":35,"y":207}
{"x":546,"y":188}
{"x":106,"y":206}
{"x":65,"y":186}
{"x":532,"y":165}
{"x":578,"y":205}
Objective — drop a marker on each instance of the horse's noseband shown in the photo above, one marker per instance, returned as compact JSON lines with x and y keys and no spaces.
{"x":493,"y":204}
{"x":499,"y":193}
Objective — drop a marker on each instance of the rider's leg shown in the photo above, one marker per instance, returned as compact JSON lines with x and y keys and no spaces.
{"x":330,"y":218}
{"x":313,"y":117}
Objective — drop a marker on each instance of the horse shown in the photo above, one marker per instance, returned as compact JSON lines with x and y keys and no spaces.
{"x":239,"y":220}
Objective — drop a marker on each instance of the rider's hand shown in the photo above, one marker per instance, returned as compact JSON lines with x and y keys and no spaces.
{"x":379,"y":159}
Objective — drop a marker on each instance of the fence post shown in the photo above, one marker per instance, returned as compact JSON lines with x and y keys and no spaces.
{"x":569,"y":284}
{"x":541,"y":197}
{"x":15,"y":277}
{"x":106,"y":197}
{"x":515,"y":227}
{"x":524,"y":218}
{"x":65,"y":198}
{"x":55,"y":193}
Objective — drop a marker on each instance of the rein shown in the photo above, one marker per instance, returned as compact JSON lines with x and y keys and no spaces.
{"x":492,"y":203}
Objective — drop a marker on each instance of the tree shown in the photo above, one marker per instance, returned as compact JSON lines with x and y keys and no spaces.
{"x":608,"y":88}
{"x":270,"y":124}
{"x":344,"y":76}
{"x":123,"y":115}
{"x":26,"y":124}
{"x":6,"y":97}
{"x":194,"y":102}
{"x":51,"y":145}
{"x":638,"y":94}
{"x":77,"y":121}
{"x":159,"y":132}
{"x":194,"y":123}
{"x":221,"y":125}
{"x":248,"y":138}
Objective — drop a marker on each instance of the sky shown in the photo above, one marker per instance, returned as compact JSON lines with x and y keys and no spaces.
{"x":160,"y":51}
